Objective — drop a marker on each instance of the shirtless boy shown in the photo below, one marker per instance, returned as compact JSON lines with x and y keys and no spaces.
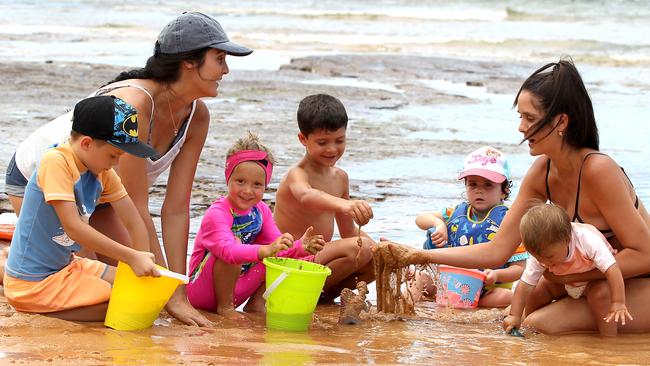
{"x":315,"y":192}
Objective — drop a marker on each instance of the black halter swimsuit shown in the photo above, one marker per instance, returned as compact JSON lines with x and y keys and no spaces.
{"x":576,"y":216}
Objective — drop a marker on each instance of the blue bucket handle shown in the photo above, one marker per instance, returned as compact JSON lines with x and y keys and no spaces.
{"x":275,"y":284}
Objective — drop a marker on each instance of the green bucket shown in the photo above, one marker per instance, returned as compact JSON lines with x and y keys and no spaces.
{"x":292,"y":291}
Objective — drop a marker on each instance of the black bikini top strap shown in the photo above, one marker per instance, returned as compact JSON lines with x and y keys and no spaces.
{"x":548,"y":190}
{"x":575,"y":212}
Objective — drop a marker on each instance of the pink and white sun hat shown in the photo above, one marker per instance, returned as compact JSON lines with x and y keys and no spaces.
{"x":486,"y":162}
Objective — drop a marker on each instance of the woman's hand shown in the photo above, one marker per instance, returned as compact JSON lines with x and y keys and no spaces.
{"x":312,"y":243}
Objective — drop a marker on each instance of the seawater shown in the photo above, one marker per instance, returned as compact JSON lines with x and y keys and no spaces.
{"x":607,"y":39}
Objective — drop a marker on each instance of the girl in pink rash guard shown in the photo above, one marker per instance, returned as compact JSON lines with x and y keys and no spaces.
{"x":236,"y":233}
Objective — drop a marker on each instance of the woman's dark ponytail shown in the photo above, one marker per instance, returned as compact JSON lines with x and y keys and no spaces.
{"x":562,"y":91}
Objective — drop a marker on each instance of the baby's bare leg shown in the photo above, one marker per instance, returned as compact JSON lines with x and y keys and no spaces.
{"x":225,"y":277}
{"x":599,"y":300}
{"x":545,"y":292}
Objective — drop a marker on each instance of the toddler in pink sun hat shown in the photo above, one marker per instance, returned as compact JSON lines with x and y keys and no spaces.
{"x":476,"y":220}
{"x":489,"y":163}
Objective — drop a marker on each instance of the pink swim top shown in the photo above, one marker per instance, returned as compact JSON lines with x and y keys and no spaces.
{"x":235,"y":236}
{"x":588,"y":249}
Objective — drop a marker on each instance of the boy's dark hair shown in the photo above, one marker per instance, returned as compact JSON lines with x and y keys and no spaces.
{"x":74,"y":136}
{"x":543,"y":225}
{"x":561,"y":90}
{"x":321,"y":112}
{"x":163,"y":67}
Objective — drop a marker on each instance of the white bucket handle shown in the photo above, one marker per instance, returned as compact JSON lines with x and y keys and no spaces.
{"x":275,"y":284}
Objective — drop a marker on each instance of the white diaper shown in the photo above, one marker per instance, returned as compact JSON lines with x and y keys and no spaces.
{"x":575,"y":291}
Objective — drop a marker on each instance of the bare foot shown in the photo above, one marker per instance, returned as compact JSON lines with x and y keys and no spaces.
{"x":180,"y":308}
{"x":231,"y":314}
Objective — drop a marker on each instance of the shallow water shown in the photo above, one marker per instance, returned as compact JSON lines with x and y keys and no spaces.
{"x":470,"y":337}
{"x":605,"y":38}
{"x":433,"y":114}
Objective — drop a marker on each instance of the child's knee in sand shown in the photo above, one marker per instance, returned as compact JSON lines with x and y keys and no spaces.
{"x":496,"y":298}
{"x":421,"y":286}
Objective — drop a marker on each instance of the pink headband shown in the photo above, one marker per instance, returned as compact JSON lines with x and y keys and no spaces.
{"x":260,"y":157}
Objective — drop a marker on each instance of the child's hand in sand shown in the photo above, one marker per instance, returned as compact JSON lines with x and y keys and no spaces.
{"x":360,"y":211}
{"x":312,"y":243}
{"x":617,"y":311}
{"x":490,"y":276}
{"x":283,"y":242}
{"x":510,"y":322}
{"x":143,"y":264}
{"x":438,"y":235}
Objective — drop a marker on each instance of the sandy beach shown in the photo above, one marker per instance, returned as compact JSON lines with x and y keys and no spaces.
{"x":265,"y":102}
{"x":423,"y":83}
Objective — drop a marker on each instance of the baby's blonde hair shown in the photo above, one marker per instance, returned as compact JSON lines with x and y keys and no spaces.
{"x":543,"y":225}
{"x":250,"y":142}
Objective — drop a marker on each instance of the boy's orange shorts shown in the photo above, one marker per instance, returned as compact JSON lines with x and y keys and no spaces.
{"x":78,"y":284}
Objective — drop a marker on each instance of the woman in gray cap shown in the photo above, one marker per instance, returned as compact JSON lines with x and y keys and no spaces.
{"x":188,"y":62}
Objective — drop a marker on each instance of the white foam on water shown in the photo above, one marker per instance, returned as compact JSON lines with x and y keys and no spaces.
{"x":356,"y":83}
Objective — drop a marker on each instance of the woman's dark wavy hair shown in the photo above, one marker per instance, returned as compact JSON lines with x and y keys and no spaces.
{"x":561,"y":90}
{"x":163,"y":67}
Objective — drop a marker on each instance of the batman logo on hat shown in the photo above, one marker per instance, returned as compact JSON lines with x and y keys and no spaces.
{"x":130,"y":125}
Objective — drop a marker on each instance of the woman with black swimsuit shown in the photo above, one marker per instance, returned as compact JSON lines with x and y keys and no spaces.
{"x":557,"y":121}
{"x":608,"y":233}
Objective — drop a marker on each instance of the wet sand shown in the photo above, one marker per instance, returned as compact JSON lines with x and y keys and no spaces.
{"x":265,"y":102}
{"x":427,"y":338}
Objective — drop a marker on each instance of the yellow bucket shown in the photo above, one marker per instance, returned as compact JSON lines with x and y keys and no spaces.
{"x":136,"y":301}
{"x":292,"y":292}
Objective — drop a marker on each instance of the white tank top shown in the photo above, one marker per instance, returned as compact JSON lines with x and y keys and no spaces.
{"x":57,"y":131}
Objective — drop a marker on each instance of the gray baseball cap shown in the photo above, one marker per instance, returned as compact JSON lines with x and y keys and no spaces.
{"x":192,"y":31}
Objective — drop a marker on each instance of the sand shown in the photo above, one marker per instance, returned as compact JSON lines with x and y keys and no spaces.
{"x":266,"y":102}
